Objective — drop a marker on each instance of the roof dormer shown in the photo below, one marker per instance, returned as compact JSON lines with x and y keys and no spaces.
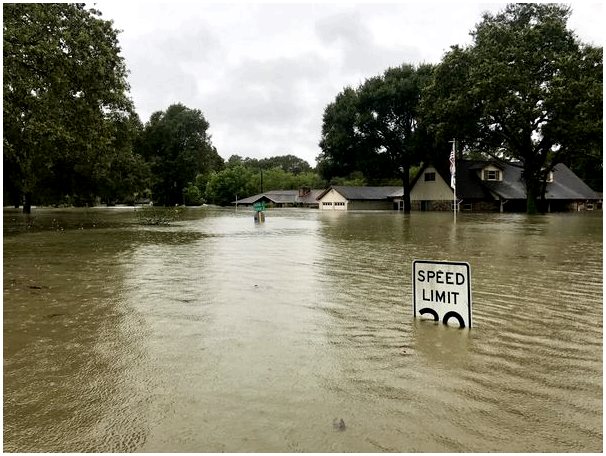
{"x":491,"y":173}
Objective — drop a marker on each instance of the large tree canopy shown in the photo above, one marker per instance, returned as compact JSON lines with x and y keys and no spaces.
{"x":341,"y":144}
{"x":390,"y":119}
{"x":526,"y":90}
{"x":377,"y":129}
{"x":64,"y":87}
{"x":179,"y":148}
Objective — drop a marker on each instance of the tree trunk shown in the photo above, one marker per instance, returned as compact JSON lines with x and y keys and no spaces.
{"x":542,"y":192}
{"x":406,"y":188}
{"x":532,"y":182}
{"x":27,"y":203}
{"x":531,"y":198}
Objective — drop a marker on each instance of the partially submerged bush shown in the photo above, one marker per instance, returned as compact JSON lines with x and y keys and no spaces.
{"x":158,"y":215}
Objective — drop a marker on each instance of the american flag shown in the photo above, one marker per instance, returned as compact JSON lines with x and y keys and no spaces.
{"x":453,"y":169}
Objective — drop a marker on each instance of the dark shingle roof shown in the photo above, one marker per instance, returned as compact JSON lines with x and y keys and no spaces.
{"x":365,"y":193}
{"x":469,"y":185}
{"x":283,"y":197}
{"x":565,"y":186}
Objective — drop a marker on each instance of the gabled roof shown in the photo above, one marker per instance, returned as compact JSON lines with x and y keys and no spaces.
{"x":468,"y":185}
{"x":481,"y":164}
{"x":471,"y":186}
{"x":567,"y":185}
{"x":365,"y":193}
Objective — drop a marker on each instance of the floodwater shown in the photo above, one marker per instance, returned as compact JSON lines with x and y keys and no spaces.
{"x":215,"y":334}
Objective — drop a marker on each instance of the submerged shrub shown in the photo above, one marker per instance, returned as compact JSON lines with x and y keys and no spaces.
{"x":158,"y":215}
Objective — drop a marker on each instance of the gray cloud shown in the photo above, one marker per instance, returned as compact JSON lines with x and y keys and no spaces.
{"x":359,"y":50}
{"x":269,"y":90}
{"x":266,"y":106}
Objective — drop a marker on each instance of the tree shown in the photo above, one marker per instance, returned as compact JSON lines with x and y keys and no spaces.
{"x":178,"y":148}
{"x":233,"y":182}
{"x":123,"y":174}
{"x":529,"y":90}
{"x":63,"y":79}
{"x":288,"y":163}
{"x":580,"y":130}
{"x":390,"y":119}
{"x":445,"y":106}
{"x":341,"y":143}
{"x":345,"y":150}
{"x":284,"y":172}
{"x":377,"y":129}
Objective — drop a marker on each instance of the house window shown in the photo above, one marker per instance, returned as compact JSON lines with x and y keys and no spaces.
{"x":430,"y":177}
{"x":339,"y":203}
{"x":325,"y":204}
{"x":492,"y":175}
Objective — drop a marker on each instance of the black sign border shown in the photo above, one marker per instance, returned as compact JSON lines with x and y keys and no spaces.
{"x":454,"y":263}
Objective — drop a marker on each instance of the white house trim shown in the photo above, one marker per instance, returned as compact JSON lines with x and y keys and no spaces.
{"x":333,"y":201}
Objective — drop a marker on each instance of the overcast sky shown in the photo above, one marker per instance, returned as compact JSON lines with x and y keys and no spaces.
{"x":262,"y":73}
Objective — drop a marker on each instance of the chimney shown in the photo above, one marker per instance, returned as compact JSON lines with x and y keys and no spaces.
{"x":304,"y":191}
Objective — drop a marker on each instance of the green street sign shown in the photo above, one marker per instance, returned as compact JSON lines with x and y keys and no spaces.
{"x":259,"y":206}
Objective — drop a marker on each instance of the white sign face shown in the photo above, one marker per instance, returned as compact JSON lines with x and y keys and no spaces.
{"x":443,"y":290}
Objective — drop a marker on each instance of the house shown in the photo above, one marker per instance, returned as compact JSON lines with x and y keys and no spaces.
{"x":490,"y":185}
{"x":304,"y":197}
{"x":344,"y":198}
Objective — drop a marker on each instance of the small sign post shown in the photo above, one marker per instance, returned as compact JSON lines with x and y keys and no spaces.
{"x":442,"y":289}
{"x":259,"y":207}
{"x":259,"y":214}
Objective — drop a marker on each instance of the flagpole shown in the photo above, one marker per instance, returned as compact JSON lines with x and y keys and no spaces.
{"x":453,"y":178}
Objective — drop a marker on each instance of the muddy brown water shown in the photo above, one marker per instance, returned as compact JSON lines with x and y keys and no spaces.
{"x":215,"y":334}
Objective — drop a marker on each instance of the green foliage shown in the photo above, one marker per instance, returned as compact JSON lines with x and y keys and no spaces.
{"x":355,"y":179}
{"x":178,"y":148}
{"x":123,"y":173}
{"x":278,"y":179}
{"x":192,"y":195}
{"x":342,"y":147}
{"x":446,"y":108}
{"x":580,"y":130}
{"x":309,"y":179}
{"x":287,"y":163}
{"x":64,"y":88}
{"x":223,"y":186}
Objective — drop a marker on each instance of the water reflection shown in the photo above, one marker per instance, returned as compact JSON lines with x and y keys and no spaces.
{"x":63,"y":358}
{"x":216,"y":334}
{"x":443,"y":346}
